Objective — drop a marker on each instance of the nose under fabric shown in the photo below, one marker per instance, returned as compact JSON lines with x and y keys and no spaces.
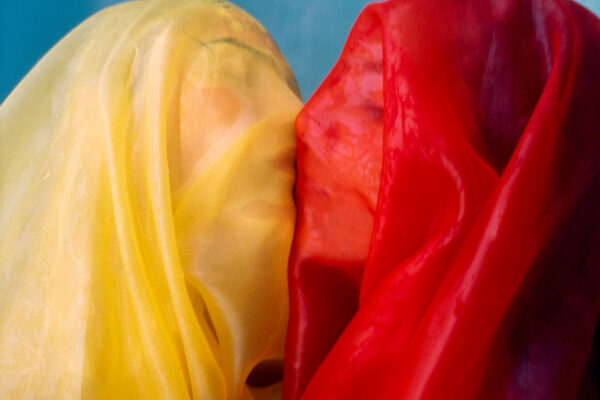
{"x":447,"y":242}
{"x":146,"y":209}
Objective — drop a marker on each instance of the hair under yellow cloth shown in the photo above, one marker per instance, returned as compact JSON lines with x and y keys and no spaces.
{"x":146,"y":209}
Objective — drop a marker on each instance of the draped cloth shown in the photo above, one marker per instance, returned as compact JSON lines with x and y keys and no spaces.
{"x":448,"y":190}
{"x":146,"y":209}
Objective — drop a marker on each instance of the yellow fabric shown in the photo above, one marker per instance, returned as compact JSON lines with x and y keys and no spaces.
{"x":146,"y":209}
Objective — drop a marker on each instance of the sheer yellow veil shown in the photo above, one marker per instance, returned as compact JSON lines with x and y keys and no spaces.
{"x":146,"y":209}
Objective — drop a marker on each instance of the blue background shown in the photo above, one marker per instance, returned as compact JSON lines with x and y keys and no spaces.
{"x":310,"y":33}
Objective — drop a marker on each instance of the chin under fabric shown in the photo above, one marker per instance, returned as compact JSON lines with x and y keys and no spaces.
{"x":146,"y":209}
{"x":448,"y":196}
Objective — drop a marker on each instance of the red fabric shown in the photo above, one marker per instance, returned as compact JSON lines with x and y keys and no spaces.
{"x":448,"y":240}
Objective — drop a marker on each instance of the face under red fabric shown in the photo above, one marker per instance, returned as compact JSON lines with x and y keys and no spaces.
{"x":447,"y":242}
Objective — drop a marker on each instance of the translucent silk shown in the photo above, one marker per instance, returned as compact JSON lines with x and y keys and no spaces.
{"x":146,"y":210}
{"x":447,"y":244}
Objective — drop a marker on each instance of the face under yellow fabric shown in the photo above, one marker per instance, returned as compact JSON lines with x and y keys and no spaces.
{"x":146,"y":177}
